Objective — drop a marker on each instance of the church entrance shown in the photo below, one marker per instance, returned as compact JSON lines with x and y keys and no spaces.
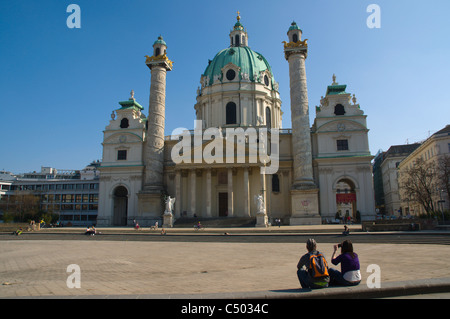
{"x":346,"y":199}
{"x":223,"y":204}
{"x":120,"y":206}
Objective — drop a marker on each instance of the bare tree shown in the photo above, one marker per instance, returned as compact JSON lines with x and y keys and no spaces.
{"x":444,"y":173}
{"x":419,"y":183}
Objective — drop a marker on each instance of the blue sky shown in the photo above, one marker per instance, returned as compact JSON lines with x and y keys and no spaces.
{"x":59,"y":86}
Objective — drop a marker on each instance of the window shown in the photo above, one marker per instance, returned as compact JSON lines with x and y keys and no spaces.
{"x":93,"y":198}
{"x":67,"y":198}
{"x":342,"y":145}
{"x":231,"y":74}
{"x":295,"y":38}
{"x":231,"y":113}
{"x":157,"y":51}
{"x":339,"y":109}
{"x":122,"y":155}
{"x":237,"y":40}
{"x":124,"y":123}
{"x":266,"y":80}
{"x":268,"y":118}
{"x":275,"y":183}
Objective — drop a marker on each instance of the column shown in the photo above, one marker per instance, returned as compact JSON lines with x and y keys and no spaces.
{"x":193,"y":192}
{"x":149,"y":198}
{"x":154,"y":146}
{"x":230,"y":192}
{"x":208,"y":192}
{"x":178,"y":199}
{"x":246,"y":193}
{"x":301,"y":133}
{"x":304,"y":192}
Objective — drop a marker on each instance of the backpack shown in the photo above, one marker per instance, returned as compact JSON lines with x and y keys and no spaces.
{"x":318,"y":266}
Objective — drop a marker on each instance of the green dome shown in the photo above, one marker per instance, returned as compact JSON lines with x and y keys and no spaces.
{"x":160,"y":41}
{"x":249,"y":62}
{"x":294,"y":26}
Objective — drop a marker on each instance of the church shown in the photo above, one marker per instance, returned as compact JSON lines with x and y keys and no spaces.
{"x":238,"y":161}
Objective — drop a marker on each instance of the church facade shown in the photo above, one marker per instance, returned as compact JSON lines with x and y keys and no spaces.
{"x":238,"y":161}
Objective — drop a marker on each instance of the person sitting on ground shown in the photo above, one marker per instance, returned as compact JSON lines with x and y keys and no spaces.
{"x":198,"y":226}
{"x":350,"y":274}
{"x":346,"y":231}
{"x":312,"y":268}
{"x":18,"y":232}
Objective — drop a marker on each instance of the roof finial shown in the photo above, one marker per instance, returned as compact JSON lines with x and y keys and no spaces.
{"x":132,"y":95}
{"x":238,"y":16}
{"x":334,"y":80}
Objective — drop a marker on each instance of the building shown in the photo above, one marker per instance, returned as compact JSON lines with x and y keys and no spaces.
{"x":342,"y":159}
{"x":389,"y":171}
{"x":433,"y":149}
{"x":71,"y":194}
{"x":238,"y":161}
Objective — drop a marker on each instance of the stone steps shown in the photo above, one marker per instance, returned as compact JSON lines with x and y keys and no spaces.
{"x":215,"y":222}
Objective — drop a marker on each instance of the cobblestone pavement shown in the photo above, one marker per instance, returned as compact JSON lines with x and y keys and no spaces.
{"x":30,"y":268}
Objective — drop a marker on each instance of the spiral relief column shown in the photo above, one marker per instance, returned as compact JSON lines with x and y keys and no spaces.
{"x":304,"y":192}
{"x":153,"y":186}
{"x":154,"y":146}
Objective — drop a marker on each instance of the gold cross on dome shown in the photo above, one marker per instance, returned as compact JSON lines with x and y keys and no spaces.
{"x":238,"y":17}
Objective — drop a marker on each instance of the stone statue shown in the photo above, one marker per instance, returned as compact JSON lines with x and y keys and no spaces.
{"x":169,"y":205}
{"x":260,"y":204}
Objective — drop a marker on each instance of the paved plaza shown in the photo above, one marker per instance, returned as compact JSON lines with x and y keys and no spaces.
{"x":31,"y":268}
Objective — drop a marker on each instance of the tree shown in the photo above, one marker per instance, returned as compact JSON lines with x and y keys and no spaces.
{"x":444,"y":173}
{"x":419,"y":183}
{"x":23,"y":205}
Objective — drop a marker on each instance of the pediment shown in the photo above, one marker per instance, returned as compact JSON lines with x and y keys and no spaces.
{"x":341,"y":125}
{"x":123,"y":138}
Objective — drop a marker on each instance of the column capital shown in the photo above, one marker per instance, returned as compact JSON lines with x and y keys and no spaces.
{"x":302,"y":51}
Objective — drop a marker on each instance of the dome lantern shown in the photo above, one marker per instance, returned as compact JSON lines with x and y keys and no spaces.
{"x":238,"y":36}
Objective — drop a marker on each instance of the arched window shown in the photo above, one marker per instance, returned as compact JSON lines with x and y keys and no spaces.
{"x":157,"y":51}
{"x":231,"y":113}
{"x":339,"y":109}
{"x":237,"y":41}
{"x":295,"y":38}
{"x":124,"y":123}
{"x":268,"y":118}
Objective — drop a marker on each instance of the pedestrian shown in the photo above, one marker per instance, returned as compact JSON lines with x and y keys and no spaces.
{"x":350,"y":274}
{"x":312,"y":268}
{"x":346,"y":231}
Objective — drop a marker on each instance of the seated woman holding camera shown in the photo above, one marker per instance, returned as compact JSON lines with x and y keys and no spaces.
{"x":350,"y":274}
